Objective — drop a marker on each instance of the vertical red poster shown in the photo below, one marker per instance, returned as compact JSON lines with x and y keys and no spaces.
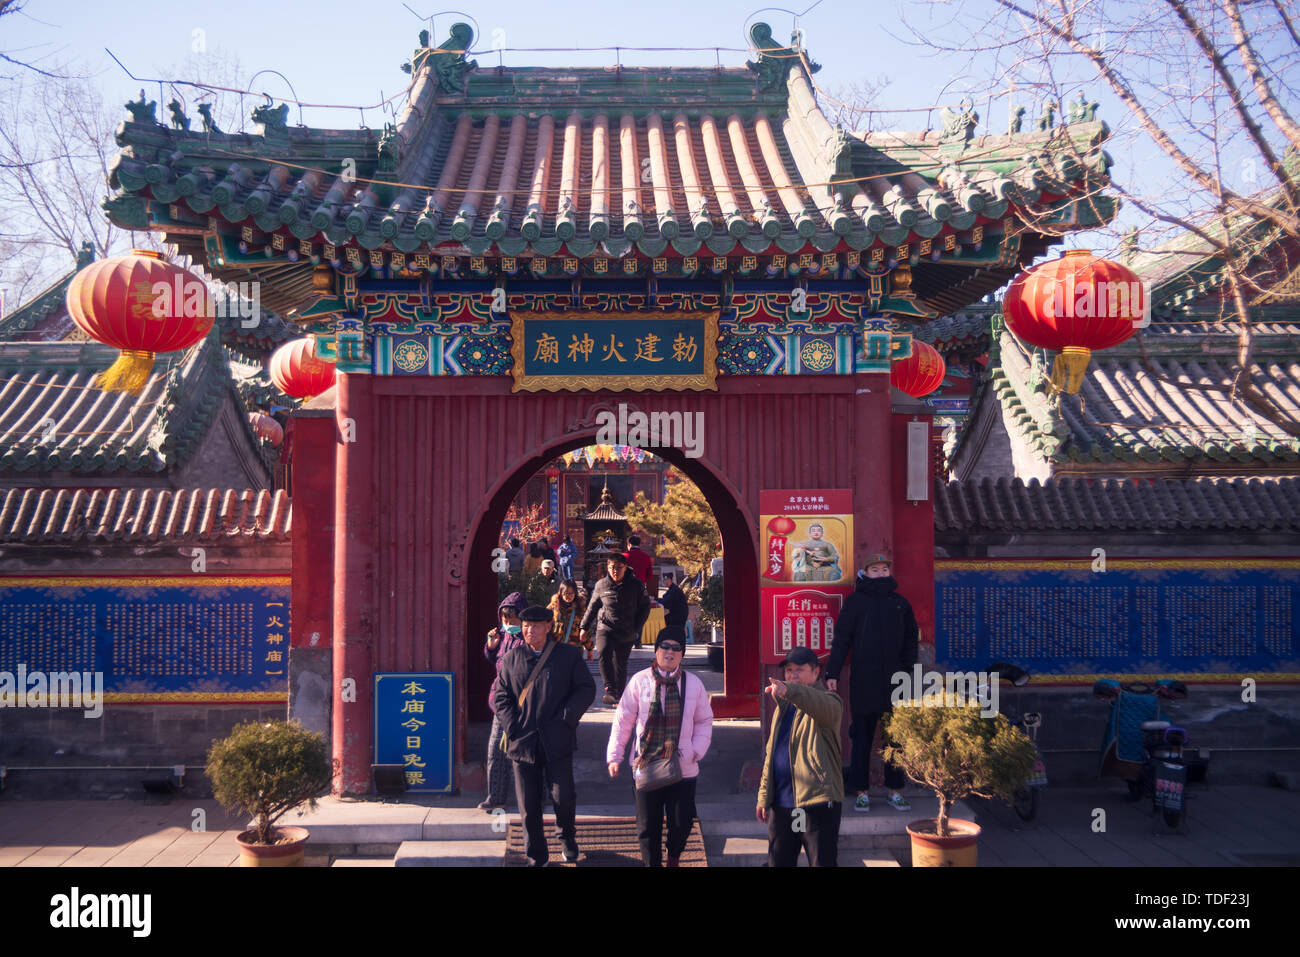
{"x":806,"y":567}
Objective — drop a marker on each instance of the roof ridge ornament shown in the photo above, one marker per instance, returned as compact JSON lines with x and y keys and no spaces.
{"x":450,"y":63}
{"x":1083,"y":111}
{"x":142,"y":110}
{"x":959,"y":124}
{"x":774,"y":61}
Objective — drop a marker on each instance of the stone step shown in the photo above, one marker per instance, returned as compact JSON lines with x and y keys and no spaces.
{"x":363,"y":862}
{"x":451,"y":853}
{"x":752,"y":852}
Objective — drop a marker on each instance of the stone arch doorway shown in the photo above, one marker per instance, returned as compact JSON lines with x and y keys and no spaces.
{"x":735,"y":523}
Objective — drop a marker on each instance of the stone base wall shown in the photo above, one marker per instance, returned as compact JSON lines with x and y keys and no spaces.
{"x":61,"y":753}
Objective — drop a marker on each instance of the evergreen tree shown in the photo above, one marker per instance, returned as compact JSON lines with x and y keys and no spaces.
{"x":684,"y":520}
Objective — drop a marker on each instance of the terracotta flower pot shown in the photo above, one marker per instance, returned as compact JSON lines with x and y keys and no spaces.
{"x":287,"y":853}
{"x":957,"y":850}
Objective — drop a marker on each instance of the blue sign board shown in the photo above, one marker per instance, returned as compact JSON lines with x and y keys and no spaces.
{"x":668,"y":350}
{"x":413,"y":724}
{"x":1207,"y":619}
{"x":178,"y":638}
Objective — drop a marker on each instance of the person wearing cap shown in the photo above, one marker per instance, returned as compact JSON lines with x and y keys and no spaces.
{"x":877,"y":629}
{"x":617,"y":610}
{"x":801,"y":767}
{"x":669,"y":708}
{"x":541,"y":727}
{"x":501,"y":639}
{"x":551,"y":574}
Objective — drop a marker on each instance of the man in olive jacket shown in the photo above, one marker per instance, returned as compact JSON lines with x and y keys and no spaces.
{"x":803,"y":783}
{"x":542,"y":733}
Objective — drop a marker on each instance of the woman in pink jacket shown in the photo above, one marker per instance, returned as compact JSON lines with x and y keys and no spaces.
{"x":670,"y":710}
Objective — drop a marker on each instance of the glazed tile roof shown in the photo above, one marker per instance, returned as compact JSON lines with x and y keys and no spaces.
{"x":597,"y":161}
{"x":103,"y":516}
{"x":53,"y":418}
{"x":1203,"y":503}
{"x":1126,"y":414}
{"x":44,"y":317}
{"x":1188,"y":266}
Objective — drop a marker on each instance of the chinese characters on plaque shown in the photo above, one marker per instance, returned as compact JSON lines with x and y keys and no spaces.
{"x":668,"y":350}
{"x":413,"y":722}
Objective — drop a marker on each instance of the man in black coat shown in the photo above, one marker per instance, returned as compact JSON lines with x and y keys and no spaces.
{"x":878,"y":629}
{"x":542,"y":730}
{"x":618,"y":609}
{"x":676,"y":610}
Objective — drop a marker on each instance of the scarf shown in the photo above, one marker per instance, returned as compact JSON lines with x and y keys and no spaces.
{"x":664,"y":725}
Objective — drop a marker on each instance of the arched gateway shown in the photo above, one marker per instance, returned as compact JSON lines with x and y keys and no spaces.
{"x":528,"y":248}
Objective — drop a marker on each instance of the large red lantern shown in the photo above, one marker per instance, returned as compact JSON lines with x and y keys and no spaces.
{"x":297,"y":372}
{"x":920,"y":373}
{"x":266,"y":428}
{"x":1072,"y":306}
{"x":142,"y":305}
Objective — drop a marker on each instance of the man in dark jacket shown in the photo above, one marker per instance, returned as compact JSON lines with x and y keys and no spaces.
{"x":618,"y":610}
{"x":542,"y":730}
{"x":675,"y":608}
{"x":877,"y":628}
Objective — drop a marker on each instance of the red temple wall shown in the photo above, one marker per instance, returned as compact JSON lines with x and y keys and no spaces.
{"x":433,"y":463}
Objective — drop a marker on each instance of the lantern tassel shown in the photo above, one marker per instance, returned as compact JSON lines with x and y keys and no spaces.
{"x":128,"y":374}
{"x":1068,"y":369}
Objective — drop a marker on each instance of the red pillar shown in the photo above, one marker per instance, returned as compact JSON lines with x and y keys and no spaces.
{"x":354,"y":572}
{"x":312,"y":494}
{"x":873,"y":504}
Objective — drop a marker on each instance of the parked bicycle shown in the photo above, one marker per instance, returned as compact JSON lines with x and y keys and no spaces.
{"x":1026,"y":798}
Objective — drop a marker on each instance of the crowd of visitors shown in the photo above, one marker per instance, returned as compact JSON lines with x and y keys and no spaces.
{"x":543,"y":687}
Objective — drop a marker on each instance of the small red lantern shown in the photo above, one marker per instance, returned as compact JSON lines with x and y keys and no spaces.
{"x":266,"y":428}
{"x":297,"y":372}
{"x":1072,"y":306}
{"x":781,"y":525}
{"x":920,"y":373}
{"x":142,"y":305}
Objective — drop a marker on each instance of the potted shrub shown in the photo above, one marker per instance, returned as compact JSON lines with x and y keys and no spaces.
{"x":955,"y":751}
{"x":711,"y":615}
{"x":265,"y":769}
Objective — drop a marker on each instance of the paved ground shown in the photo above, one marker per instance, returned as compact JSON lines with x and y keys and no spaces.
{"x":1227,"y":825}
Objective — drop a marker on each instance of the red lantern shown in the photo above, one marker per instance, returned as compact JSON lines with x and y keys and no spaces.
{"x":920,"y":373}
{"x":1072,"y":306}
{"x":142,"y":305}
{"x":297,"y":372}
{"x":781,"y":525}
{"x":266,"y":428}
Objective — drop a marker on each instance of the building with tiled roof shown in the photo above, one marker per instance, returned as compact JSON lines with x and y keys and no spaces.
{"x":663,"y":171}
{"x":187,"y":427}
{"x":1139,"y":412}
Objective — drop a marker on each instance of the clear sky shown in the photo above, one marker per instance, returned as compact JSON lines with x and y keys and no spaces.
{"x":349,"y":51}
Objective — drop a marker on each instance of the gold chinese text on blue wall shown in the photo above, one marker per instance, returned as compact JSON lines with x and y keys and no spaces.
{"x":655,"y":351}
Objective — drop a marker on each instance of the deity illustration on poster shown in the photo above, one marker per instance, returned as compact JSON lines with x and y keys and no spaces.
{"x":815,"y":559}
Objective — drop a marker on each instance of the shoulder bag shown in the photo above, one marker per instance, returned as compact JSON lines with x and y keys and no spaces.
{"x":523,"y":695}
